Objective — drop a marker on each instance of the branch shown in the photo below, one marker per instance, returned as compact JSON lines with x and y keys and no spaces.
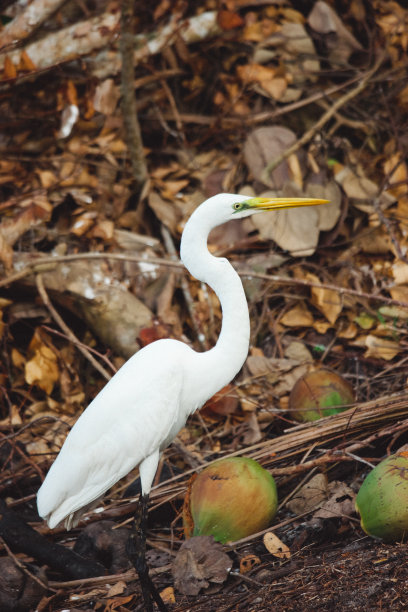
{"x":133,"y":134}
{"x":323,"y":120}
{"x":28,"y":21}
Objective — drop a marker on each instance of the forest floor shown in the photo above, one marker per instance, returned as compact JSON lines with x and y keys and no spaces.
{"x":289,"y":98}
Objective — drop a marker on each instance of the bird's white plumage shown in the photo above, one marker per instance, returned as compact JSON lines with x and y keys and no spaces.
{"x":143,"y":407}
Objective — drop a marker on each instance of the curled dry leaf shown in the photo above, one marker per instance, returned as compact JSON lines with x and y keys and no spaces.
{"x":165,"y":211}
{"x":361,"y":190}
{"x":324,"y":20}
{"x":168,"y":596}
{"x":106,"y":97}
{"x":282,"y":373}
{"x":298,"y":316}
{"x":340,"y":502}
{"x":269,"y":80}
{"x":275,"y":546}
{"x":327,"y":301}
{"x":381,"y":348}
{"x":296,"y":53}
{"x":42,"y":369}
{"x":310,"y":496}
{"x":262,"y":146}
{"x":199,"y":562}
{"x":247,"y":563}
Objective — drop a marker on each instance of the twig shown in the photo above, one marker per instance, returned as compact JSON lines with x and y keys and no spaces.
{"x":24,"y":569}
{"x":59,"y":320}
{"x":323,"y":119}
{"x":132,"y":128}
{"x":43,"y":263}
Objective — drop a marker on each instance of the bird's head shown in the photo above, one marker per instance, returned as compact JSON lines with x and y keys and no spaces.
{"x":226,"y":206}
{"x":242,"y":206}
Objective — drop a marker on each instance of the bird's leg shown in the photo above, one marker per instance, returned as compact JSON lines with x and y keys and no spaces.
{"x":136,"y":550}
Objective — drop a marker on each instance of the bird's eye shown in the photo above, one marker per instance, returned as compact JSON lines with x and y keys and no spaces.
{"x":236,"y":206}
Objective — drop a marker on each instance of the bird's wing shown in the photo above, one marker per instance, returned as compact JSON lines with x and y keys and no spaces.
{"x":135,"y":414}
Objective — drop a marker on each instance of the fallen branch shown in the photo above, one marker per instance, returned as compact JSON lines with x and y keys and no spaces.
{"x":46,"y":263}
{"x":34,"y":14}
{"x":20,"y":537}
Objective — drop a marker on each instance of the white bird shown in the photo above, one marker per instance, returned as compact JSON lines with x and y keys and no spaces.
{"x":143,"y":407}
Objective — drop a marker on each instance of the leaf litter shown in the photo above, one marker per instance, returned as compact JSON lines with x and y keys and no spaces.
{"x":222,"y":95}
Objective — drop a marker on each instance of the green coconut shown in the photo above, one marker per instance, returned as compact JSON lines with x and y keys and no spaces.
{"x":319,"y":393}
{"x":230,"y":499}
{"x":382,"y":500}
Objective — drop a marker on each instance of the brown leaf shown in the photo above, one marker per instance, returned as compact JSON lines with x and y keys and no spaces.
{"x":298,"y":316}
{"x":381,"y":348}
{"x":10,"y":71}
{"x":275,"y":546}
{"x":340,"y":502}
{"x":262,"y":146}
{"x":42,"y":369}
{"x":165,"y":211}
{"x":199,"y":562}
{"x":247,"y":563}
{"x":310,"y":496}
{"x":228,"y":20}
{"x":106,"y":97}
{"x":327,"y":301}
{"x":222,"y":403}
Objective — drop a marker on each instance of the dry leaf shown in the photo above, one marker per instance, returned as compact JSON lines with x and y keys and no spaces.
{"x":263,"y":145}
{"x":297,"y":351}
{"x":222,"y":403}
{"x":269,"y":79}
{"x":168,"y":596}
{"x":275,"y":546}
{"x":399,"y":271}
{"x":228,"y":20}
{"x":165,"y":211}
{"x":381,"y":348}
{"x":327,"y":301}
{"x":310,"y":496}
{"x":42,"y":369}
{"x":116,"y":589}
{"x":106,"y":97}
{"x":324,"y":20}
{"x":362,"y":190}
{"x":340,"y":502}
{"x":199,"y":562}
{"x":247,"y":563}
{"x":298,"y":316}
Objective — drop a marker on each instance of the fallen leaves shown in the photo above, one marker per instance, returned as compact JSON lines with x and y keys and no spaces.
{"x":275,"y":546}
{"x":199,"y":562}
{"x":42,"y":367}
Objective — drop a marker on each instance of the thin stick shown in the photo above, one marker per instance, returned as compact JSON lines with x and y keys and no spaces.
{"x":60,"y":321}
{"x":323,"y":119}
{"x":44,"y":263}
{"x":24,"y":569}
{"x":130,"y":119}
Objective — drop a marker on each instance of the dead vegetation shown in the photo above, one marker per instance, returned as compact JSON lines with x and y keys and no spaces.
{"x":241,"y":96}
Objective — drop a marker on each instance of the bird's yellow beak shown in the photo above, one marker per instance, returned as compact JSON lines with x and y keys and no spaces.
{"x":275,"y":203}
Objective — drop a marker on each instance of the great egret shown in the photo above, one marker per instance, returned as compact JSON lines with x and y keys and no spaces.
{"x":143,"y":407}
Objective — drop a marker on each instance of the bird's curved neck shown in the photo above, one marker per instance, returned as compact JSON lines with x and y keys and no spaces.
{"x":220,"y":364}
